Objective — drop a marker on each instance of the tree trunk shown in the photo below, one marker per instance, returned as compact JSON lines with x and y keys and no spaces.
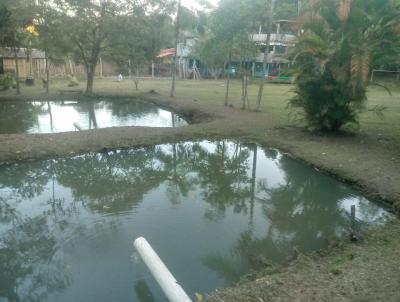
{"x":266,"y":51}
{"x":90,"y":73}
{"x":92,"y":115}
{"x":101,"y":68}
{"x":243,"y":94}
{"x":47,"y":74}
{"x":246,"y":86}
{"x":89,"y":81}
{"x":253,"y":187}
{"x":176,"y":49}
{"x":228,"y":80}
{"x":50,"y":116}
{"x":136,"y":80}
{"x":245,"y":100}
{"x":18,"y":89}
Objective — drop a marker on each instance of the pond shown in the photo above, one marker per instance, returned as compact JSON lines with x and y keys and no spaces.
{"x":213,"y":211}
{"x":62,"y":116}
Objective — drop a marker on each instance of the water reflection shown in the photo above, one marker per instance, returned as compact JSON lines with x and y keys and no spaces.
{"x":29,"y":266}
{"x":229,"y":207}
{"x":60,"y":116}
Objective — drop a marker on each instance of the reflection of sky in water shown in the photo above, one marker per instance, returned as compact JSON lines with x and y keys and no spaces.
{"x":51,"y":117}
{"x":198,"y":204}
{"x":366,"y":211}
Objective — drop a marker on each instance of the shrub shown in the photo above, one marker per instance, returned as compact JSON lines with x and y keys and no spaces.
{"x":341,"y":40}
{"x":7,"y":81}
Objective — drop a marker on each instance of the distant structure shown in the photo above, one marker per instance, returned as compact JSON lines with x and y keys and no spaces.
{"x":32,"y":62}
{"x":187,"y":64}
{"x":282,"y":39}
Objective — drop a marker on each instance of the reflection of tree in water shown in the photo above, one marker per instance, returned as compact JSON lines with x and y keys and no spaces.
{"x":305,"y":210}
{"x":19,"y":117}
{"x":131,"y":108}
{"x":7,"y":212}
{"x":87,"y":107}
{"x":223,"y":177}
{"x":112,"y":182}
{"x":29,"y":270}
{"x":303,"y":213}
{"x":119,"y":108}
{"x":178,"y":162}
{"x":28,"y":180}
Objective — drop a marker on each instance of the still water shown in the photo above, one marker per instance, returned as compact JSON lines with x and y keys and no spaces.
{"x":213,"y":211}
{"x":60,"y":116}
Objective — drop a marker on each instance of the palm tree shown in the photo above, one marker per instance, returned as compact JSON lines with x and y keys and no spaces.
{"x":334,"y":56}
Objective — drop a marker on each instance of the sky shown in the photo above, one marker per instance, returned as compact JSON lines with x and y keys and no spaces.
{"x":194,"y":3}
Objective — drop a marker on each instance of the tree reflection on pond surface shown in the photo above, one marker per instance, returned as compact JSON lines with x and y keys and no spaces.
{"x":60,"y":116}
{"x":214,"y":211}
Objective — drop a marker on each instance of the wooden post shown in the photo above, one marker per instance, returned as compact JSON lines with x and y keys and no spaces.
{"x":152,"y":69}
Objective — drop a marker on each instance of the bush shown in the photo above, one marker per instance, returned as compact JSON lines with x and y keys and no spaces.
{"x":333,"y":56}
{"x":327,"y":104}
{"x":7,"y":81}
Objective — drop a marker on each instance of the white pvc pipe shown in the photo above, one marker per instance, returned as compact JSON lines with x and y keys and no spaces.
{"x":160,"y":272}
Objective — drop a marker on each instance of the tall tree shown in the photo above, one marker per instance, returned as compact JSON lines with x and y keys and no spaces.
{"x":177,"y":30}
{"x":232,"y":25}
{"x":131,"y":43}
{"x":15,"y":17}
{"x":54,"y":45}
{"x":212,"y":53}
{"x":86,"y":25}
{"x":271,"y":4}
{"x":225,"y":26}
